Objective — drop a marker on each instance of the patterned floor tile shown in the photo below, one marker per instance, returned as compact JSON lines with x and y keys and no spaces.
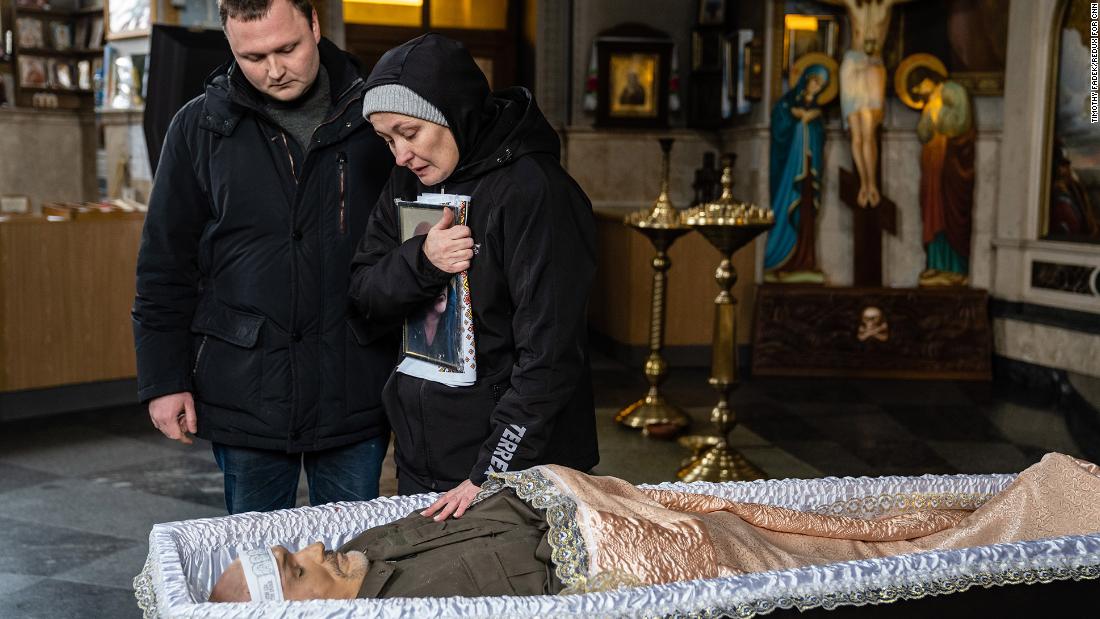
{"x":35,"y":549}
{"x":114,"y":570}
{"x":98,"y":508}
{"x":10,"y":583}
{"x":945,"y":423}
{"x":178,"y":477}
{"x":981,"y":457}
{"x":12,"y":477}
{"x":54,"y":599}
{"x":72,"y":450}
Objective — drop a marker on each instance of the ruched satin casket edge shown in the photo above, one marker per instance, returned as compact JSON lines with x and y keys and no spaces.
{"x":185,"y":559}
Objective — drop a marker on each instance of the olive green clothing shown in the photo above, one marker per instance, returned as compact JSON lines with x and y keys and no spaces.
{"x":498,"y":547}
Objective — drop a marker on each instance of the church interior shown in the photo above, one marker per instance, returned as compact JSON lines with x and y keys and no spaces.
{"x":834,"y":238}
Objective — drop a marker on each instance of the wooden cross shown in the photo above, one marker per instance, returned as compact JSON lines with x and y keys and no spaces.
{"x":868,"y":224}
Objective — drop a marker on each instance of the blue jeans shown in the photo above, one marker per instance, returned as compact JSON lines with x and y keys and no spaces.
{"x":261,"y":480}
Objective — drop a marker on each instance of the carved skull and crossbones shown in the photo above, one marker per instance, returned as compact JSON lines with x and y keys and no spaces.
{"x":873,"y":325}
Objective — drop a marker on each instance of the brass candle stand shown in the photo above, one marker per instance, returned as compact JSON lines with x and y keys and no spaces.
{"x":729,"y":225}
{"x":662,"y":226}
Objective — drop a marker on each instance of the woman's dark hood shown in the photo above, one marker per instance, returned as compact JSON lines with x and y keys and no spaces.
{"x":491,"y":129}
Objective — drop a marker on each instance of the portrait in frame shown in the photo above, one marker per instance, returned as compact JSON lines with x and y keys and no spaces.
{"x":633,"y":86}
{"x":33,"y":72}
{"x":1071,"y":209}
{"x":129,"y":18}
{"x":432,"y":333}
{"x":805,"y":34}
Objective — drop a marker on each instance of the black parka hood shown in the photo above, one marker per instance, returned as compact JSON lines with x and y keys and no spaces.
{"x":491,"y":129}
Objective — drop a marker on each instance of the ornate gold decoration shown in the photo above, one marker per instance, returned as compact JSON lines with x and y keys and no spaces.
{"x":829,"y":92}
{"x":930,"y":278}
{"x":661,"y":225}
{"x":729,"y":224}
{"x":873,"y":325}
{"x":905,"y":67}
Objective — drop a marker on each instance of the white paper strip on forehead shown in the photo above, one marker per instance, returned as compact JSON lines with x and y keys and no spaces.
{"x":261,"y":572}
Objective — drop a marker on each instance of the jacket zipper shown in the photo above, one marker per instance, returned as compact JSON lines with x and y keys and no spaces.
{"x":339,"y":114}
{"x":290,"y":157}
{"x":341,"y":164}
{"x":198,"y":357}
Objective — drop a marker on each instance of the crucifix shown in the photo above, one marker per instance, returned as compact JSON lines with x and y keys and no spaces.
{"x":862,"y":94}
{"x":868,"y":224}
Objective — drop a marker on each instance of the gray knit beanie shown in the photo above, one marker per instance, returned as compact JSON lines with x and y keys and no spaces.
{"x":400,"y":100}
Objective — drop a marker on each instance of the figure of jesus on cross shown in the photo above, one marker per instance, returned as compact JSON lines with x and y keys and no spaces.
{"x":863,"y":88}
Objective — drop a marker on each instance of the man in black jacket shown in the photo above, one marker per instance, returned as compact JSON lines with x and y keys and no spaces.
{"x":243,"y":330}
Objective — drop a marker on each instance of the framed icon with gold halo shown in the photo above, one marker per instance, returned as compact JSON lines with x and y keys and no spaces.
{"x":634,"y":82}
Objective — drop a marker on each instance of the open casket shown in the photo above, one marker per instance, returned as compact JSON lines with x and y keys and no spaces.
{"x":185,"y":559}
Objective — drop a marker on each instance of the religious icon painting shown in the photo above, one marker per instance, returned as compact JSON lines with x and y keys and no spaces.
{"x":634,"y":69}
{"x":62,"y":35}
{"x":31,"y":34}
{"x":33,"y":72}
{"x":433,"y":332}
{"x":1070,"y":210}
{"x":633,"y":85}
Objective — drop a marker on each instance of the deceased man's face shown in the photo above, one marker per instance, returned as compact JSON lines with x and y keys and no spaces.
{"x":309,"y":574}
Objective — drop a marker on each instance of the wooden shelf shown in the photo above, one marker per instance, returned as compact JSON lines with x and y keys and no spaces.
{"x":56,"y":53}
{"x":58,"y":90}
{"x":27,"y":10}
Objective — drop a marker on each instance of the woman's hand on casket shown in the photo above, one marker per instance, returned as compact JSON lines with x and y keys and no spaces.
{"x":454,"y":502}
{"x":174,"y":415}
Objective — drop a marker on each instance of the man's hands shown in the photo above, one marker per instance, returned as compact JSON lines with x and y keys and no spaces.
{"x":449,"y":247}
{"x":174,"y":415}
{"x":454,"y":502}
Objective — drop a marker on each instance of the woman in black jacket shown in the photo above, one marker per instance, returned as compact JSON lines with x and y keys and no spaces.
{"x":529,"y":251}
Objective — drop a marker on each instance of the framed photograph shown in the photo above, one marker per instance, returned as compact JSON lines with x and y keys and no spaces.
{"x":33,"y":72}
{"x":84,"y":75}
{"x":62,"y":35}
{"x":129,"y":18}
{"x":63,"y":75}
{"x":1070,"y":209}
{"x":18,"y":205}
{"x":31,"y":34}
{"x":804,"y":34}
{"x":712,"y":12}
{"x":432,"y":333}
{"x":121,"y":88}
{"x":633,"y":85}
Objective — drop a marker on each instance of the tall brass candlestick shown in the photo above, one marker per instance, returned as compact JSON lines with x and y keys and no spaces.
{"x":662,"y":226}
{"x":729,"y":225}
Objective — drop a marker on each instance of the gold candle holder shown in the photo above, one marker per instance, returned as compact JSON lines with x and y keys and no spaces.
{"x":662,"y":226}
{"x":729,"y":225}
